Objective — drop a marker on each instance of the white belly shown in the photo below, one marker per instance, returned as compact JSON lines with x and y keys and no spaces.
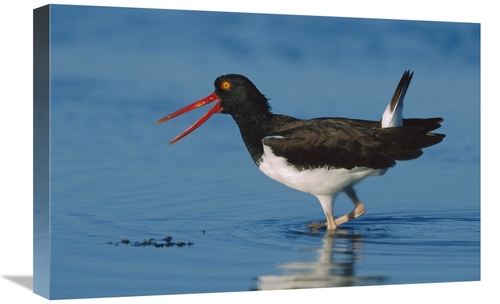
{"x":320,"y":181}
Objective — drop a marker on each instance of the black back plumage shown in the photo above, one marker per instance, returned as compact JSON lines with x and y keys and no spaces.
{"x":322,"y":142}
{"x":349,"y":143}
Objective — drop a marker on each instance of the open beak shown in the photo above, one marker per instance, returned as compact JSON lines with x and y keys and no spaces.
{"x":216,"y":109}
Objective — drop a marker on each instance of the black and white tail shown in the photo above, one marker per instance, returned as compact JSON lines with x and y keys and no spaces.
{"x":393,"y":114}
{"x":415,"y":133}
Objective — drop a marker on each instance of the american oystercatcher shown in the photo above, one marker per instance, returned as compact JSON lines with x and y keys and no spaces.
{"x":321,"y":156}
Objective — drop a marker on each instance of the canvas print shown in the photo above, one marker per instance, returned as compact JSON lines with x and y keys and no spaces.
{"x":169,"y":146}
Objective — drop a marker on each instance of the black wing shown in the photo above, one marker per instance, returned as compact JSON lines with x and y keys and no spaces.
{"x":347,"y":143}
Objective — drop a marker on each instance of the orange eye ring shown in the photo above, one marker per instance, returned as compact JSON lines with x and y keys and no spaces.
{"x":225,"y":85}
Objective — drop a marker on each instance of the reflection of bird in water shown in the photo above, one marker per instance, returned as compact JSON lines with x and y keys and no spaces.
{"x":334,"y":267}
{"x":322,"y":156}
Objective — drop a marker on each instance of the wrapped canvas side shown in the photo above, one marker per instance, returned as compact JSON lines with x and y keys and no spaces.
{"x":41,"y":152}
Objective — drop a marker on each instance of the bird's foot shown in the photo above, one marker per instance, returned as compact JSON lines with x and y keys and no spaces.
{"x":317,"y":226}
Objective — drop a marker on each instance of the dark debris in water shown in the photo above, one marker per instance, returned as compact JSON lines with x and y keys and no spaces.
{"x":165,"y":242}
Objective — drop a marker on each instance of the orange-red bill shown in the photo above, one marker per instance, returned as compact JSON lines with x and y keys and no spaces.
{"x":215,"y":109}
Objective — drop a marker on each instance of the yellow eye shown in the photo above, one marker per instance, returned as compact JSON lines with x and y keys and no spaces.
{"x":225,"y":85}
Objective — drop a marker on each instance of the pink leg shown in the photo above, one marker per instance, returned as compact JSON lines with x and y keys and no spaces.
{"x":359,"y":207}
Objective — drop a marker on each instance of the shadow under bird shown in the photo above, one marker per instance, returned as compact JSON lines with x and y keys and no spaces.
{"x":321,"y":156}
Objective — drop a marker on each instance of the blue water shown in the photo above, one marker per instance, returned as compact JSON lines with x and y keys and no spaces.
{"x":114,"y":72}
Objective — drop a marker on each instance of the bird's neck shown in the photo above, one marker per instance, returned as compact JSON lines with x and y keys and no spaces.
{"x":253,"y":129}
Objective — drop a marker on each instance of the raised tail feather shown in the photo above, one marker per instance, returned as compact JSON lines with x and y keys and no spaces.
{"x":414,"y":133}
{"x":393,"y":114}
